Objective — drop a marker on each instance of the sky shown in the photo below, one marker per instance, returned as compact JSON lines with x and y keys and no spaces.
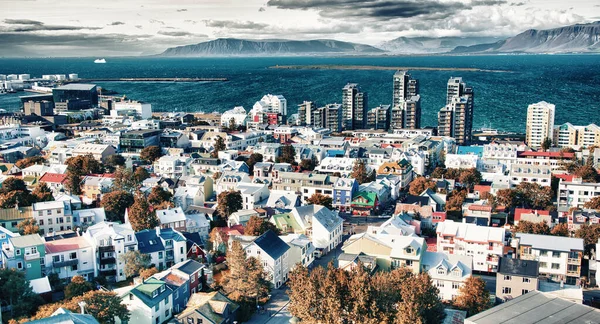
{"x":141,"y":27}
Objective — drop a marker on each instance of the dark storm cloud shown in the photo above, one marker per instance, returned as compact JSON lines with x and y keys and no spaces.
{"x":27,"y":25}
{"x":381,"y":9}
{"x":117,"y":23}
{"x":234,"y":24}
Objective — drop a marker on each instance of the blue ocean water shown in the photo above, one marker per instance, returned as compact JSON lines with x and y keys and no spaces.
{"x":571,"y":82}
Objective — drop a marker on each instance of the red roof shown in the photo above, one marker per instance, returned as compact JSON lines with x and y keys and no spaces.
{"x":521,"y":211}
{"x":485,"y":208}
{"x":53,"y":177}
{"x":482,"y":188}
{"x":431,"y":244}
{"x":561,"y":155}
{"x":391,"y":145}
{"x":233,"y":230}
{"x":565,"y":177}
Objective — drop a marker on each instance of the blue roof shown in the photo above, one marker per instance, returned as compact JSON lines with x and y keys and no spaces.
{"x":476,"y":150}
{"x":148,"y":241}
{"x":335,"y":153}
{"x":170,"y":234}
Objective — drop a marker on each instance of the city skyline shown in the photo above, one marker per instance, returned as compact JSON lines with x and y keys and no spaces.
{"x":136,"y":27}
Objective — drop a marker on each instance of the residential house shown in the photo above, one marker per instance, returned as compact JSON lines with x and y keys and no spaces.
{"x":402,"y":168}
{"x":391,"y":251}
{"x":380,"y":188}
{"x":179,"y":284}
{"x":84,"y":218}
{"x":54,"y":181}
{"x":448,"y":272}
{"x":69,"y":257}
{"x":229,"y":180}
{"x":229,"y":164}
{"x":173,"y":167}
{"x":172,"y":218}
{"x":283,"y":200}
{"x":94,"y":187}
{"x":26,"y":254}
{"x":484,"y":244}
{"x":5,"y":235}
{"x":110,"y":240}
{"x":516,"y":277}
{"x":576,"y":193}
{"x":148,"y":302}
{"x":321,"y":225}
{"x":344,"y":189}
{"x":196,"y":273}
{"x":532,"y":215}
{"x":348,"y":262}
{"x":302,"y":251}
{"x":582,"y":217}
{"x":364,"y":204}
{"x":253,"y":194}
{"x":305,"y":184}
{"x":165,"y":246}
{"x":65,"y":316}
{"x":213,"y":307}
{"x":559,"y":257}
{"x":479,"y":213}
{"x":241,"y":217}
{"x":273,"y":254}
{"x":99,"y":151}
{"x":53,"y":216}
{"x":341,"y":165}
{"x":197,"y":220}
{"x":11,"y":217}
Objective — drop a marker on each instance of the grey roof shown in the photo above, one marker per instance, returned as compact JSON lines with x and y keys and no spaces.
{"x":272,"y":244}
{"x":189,"y":266}
{"x":64,"y":316}
{"x":548,"y":242}
{"x":517,"y":267}
{"x":77,"y":86}
{"x":537,"y":307}
{"x":26,"y":240}
{"x":148,"y":241}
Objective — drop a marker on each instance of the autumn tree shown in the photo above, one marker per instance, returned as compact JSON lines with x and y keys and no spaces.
{"x":115,"y":203}
{"x":42,"y":193}
{"x":217,"y":238}
{"x":587,"y":173}
{"x":13,"y":184}
{"x":561,"y":229}
{"x":134,"y":261}
{"x":83,"y":165}
{"x":589,"y":234}
{"x":593,"y":203}
{"x":29,"y":161}
{"x":420,"y":184}
{"x":141,"y":215}
{"x":470,"y":178}
{"x":218,"y":147}
{"x":288,"y":155}
{"x":28,"y":226}
{"x":473,"y":297}
{"x":246,"y":281}
{"x":78,"y":287}
{"x":506,"y":198}
{"x":309,"y":164}
{"x":123,"y":179}
{"x":73,"y":183}
{"x":438,"y":172}
{"x":140,"y":174}
{"x":147,"y":273}
{"x":159,"y":196}
{"x":252,"y":160}
{"x":420,"y":302}
{"x":456,"y":200}
{"x":532,"y":228}
{"x":14,"y":192}
{"x":17,"y":293}
{"x":151,"y":153}
{"x":257,"y":226}
{"x":532,"y":195}
{"x":228,"y":202}
{"x":320,"y":199}
{"x":114,"y":161}
{"x":360,"y":172}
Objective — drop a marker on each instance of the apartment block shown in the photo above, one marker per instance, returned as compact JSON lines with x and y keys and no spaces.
{"x":568,"y":135}
{"x":69,"y":257}
{"x":26,"y":254}
{"x":404,"y":87}
{"x":540,"y":123}
{"x":53,"y":216}
{"x":379,"y":117}
{"x":516,"y":277}
{"x":110,"y":240}
{"x":575,"y":193}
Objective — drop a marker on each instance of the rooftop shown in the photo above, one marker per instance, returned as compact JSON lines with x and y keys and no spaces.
{"x":517,"y":267}
{"x":77,"y":86}
{"x":26,"y":240}
{"x":271,"y":244}
{"x":550,"y":242}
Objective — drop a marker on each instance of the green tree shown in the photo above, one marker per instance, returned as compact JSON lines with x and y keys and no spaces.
{"x":589,"y":234}
{"x":361,"y":173}
{"x":141,"y":215}
{"x":320,"y":199}
{"x":105,"y":306}
{"x":17,"y":293}
{"x":218,"y":147}
{"x":232,"y":127}
{"x":506,"y":198}
{"x":288,"y":155}
{"x":134,"y":261}
{"x":546,"y":144}
{"x":473,"y":297}
{"x":151,"y":153}
{"x":228,"y":202}
{"x":420,"y":184}
{"x":29,"y":161}
{"x":257,"y":226}
{"x":115,"y":203}
{"x":28,"y":226}
{"x":77,"y":287}
{"x":42,"y":193}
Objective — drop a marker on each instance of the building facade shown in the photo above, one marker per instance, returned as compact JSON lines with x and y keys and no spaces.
{"x":540,"y":123}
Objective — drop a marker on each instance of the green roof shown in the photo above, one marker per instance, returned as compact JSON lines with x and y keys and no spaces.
{"x":26,"y":240}
{"x":144,"y":291}
{"x":369,"y":196}
{"x":286,"y":220}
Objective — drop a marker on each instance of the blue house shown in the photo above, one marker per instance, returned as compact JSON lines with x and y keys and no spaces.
{"x":179,"y":283}
{"x":343,"y":191}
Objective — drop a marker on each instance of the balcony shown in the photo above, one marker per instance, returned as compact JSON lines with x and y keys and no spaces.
{"x":110,"y":248}
{"x":573,"y":273}
{"x":109,"y":272}
{"x":32,"y":256}
{"x":66,"y":263}
{"x":108,"y":260}
{"x":573,"y":261}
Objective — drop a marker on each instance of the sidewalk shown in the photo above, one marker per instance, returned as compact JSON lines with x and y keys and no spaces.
{"x":274,"y":309}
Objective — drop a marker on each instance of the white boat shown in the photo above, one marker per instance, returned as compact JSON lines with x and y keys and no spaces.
{"x":100,"y":61}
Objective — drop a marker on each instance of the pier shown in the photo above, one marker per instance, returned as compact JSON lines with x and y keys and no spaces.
{"x":151,"y":80}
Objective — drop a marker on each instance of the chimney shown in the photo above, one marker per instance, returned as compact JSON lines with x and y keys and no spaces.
{"x":82,"y":305}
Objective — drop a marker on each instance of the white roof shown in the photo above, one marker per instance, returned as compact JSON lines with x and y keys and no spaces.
{"x":170,"y":215}
{"x":396,"y":243}
{"x":48,"y":205}
{"x":433,"y":260}
{"x":551,"y":242}
{"x":471,"y":232}
{"x":90,"y":148}
{"x":40,"y":285}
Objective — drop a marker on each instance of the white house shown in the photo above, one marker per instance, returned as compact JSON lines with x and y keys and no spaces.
{"x":323,"y":226}
{"x":138,"y":109}
{"x":302,"y":251}
{"x":448,"y":272}
{"x":462,"y":161}
{"x":165,"y":246}
{"x":230,"y":180}
{"x":239,"y":114}
{"x":576,"y":193}
{"x":70,"y":257}
{"x":173,"y":167}
{"x":253,"y":194}
{"x":99,"y":151}
{"x":53,"y":216}
{"x":110,"y":240}
{"x":273,"y":253}
{"x":172,"y":218}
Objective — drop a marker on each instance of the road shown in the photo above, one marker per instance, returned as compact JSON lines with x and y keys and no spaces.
{"x":275,"y":309}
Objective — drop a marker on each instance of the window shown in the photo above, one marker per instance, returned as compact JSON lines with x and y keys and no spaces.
{"x":130,"y":296}
{"x":129,"y":237}
{"x":40,"y":213}
{"x":73,"y":255}
{"x":156,"y":307}
{"x":28,"y":265}
{"x":506,"y":278}
{"x":199,"y":321}
{"x":506,"y":290}
{"x":48,"y":212}
{"x":193,"y":279}
{"x":74,"y":267}
{"x":19,"y":265}
{"x":160,"y":255}
{"x":162,"y":288}
{"x":543,"y":265}
{"x":556,"y":254}
{"x":167,"y":313}
{"x":18,"y":252}
{"x":56,"y":258}
{"x":441,"y":271}
{"x":41,"y":222}
{"x":455,"y":285}
{"x":439,"y":284}
{"x":524,"y":291}
{"x":555,"y":266}
{"x":526,"y":280}
{"x":190,"y":320}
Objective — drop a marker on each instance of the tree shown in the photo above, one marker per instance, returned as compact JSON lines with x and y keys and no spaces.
{"x":532,"y":228}
{"x":113,"y":162}
{"x":218,"y":147}
{"x":232,"y":127}
{"x":309,"y":164}
{"x":115,"y":203}
{"x":13,"y":184}
{"x":546,"y":144}
{"x":151,"y":153}
{"x":159,"y":196}
{"x":83,"y":165}
{"x":123,"y":179}
{"x":420,"y":184}
{"x":420,"y":302}
{"x":147,"y":273}
{"x":257,"y":226}
{"x":438,"y":172}
{"x":140,"y":174}
{"x":506,"y":198}
{"x":28,"y":226}
{"x":587,"y":173}
{"x":14,"y":198}
{"x":532,"y":195}
{"x":42,"y":193}
{"x":593,"y":203}
{"x":228,"y":202}
{"x":217,"y":238}
{"x":252,"y":160}
{"x":78,"y":287}
{"x":320,"y":199}
{"x":589,"y":234}
{"x":141,"y":215}
{"x":288,"y":155}
{"x":134,"y":261}
{"x":360,"y":172}
{"x":73,"y":183}
{"x":17,"y":293}
{"x":561,"y":229}
{"x":470,"y":178}
{"x":473,"y":297}
{"x":29,"y":161}
{"x":105,"y":306}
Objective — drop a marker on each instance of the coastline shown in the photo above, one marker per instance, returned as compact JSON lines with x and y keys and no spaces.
{"x":381,"y":68}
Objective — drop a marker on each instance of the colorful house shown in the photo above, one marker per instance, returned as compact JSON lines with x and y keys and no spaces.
{"x":365,"y":204}
{"x":344,"y":190}
{"x":25,"y":253}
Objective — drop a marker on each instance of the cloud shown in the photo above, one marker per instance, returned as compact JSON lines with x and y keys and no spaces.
{"x":138,"y":26}
{"x":116,"y":23}
{"x":179,"y":34}
{"x":261,"y":9}
{"x":181,"y":10}
{"x":154,"y":21}
{"x":27,"y":25}
{"x":23,"y":22}
{"x":381,"y":9}
{"x":235,"y":24}
{"x":517,"y":4}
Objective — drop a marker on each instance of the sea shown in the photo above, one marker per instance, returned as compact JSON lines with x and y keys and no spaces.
{"x":571,"y":82}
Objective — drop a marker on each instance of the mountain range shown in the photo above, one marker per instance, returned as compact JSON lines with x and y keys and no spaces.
{"x":580,"y":38}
